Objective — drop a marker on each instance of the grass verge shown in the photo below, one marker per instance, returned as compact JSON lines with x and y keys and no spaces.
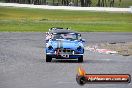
{"x":38,"y":20}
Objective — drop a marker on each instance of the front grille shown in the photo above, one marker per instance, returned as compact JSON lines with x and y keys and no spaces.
{"x":67,"y":50}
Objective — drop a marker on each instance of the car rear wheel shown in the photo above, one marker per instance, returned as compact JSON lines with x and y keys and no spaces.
{"x":80,"y":59}
{"x":48,"y":58}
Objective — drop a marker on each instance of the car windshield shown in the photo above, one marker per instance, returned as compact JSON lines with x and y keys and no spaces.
{"x":70,"y":36}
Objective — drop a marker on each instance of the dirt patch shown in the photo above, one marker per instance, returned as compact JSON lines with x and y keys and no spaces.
{"x":123,"y":48}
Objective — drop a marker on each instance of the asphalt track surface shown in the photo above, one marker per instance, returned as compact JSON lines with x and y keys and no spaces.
{"x":22,"y":62}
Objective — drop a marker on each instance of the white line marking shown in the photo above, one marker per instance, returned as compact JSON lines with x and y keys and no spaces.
{"x":105,"y":51}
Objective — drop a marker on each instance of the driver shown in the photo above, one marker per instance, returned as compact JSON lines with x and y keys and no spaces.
{"x":58,"y":36}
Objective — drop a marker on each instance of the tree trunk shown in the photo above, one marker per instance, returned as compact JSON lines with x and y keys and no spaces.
{"x":98,"y":4}
{"x":82,"y":3}
{"x":120,"y":2}
{"x":102,"y":3}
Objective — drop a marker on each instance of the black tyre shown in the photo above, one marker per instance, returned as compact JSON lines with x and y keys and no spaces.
{"x":80,"y":59}
{"x":48,"y":58}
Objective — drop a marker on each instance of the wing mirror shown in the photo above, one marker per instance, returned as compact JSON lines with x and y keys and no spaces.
{"x":82,"y":40}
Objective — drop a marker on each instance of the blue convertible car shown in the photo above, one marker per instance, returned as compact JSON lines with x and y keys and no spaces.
{"x":64,"y":44}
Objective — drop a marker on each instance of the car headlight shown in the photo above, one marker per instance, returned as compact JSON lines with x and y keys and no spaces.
{"x":50,"y":47}
{"x":79,"y":48}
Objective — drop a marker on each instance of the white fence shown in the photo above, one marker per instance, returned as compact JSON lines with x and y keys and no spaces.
{"x":102,"y":9}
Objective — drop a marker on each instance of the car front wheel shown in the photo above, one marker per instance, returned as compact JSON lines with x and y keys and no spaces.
{"x":80,"y":59}
{"x":48,"y":58}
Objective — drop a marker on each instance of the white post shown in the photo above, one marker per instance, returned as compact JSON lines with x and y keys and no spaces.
{"x":130,"y":9}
